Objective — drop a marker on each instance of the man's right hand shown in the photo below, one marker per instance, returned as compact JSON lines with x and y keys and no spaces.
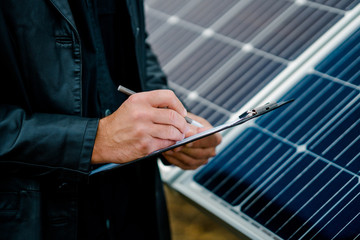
{"x":146,"y":122}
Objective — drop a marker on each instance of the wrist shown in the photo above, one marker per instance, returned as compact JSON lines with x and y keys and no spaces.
{"x":98,"y":149}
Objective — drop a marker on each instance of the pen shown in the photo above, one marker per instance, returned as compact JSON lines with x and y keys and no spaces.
{"x":131,"y":92}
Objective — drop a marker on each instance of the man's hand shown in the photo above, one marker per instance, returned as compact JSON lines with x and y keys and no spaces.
{"x":194,"y":154}
{"x":144,"y":123}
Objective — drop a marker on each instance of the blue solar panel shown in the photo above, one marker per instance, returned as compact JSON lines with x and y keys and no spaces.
{"x":296,"y":172}
{"x":293,"y":173}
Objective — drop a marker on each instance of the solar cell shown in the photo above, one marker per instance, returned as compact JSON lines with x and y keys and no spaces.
{"x":207,"y":12}
{"x":297,"y":31}
{"x":343,"y":4}
{"x":172,"y":42}
{"x":251,"y":18}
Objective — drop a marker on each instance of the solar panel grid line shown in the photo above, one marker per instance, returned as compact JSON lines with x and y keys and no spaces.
{"x":346,"y":68}
{"x":254,"y":68}
{"x":285,"y":15}
{"x":277,"y":208}
{"x":345,"y":59}
{"x":335,"y":236}
{"x":234,"y":171}
{"x":219,"y":91}
{"x":339,"y":115}
{"x":315,"y":126}
{"x":343,"y":5}
{"x":232,"y":12}
{"x":262,"y":178}
{"x":336,"y":80}
{"x":352,"y":161}
{"x":299,"y":127}
{"x":316,"y":129}
{"x":228,"y":163}
{"x":213,"y":79}
{"x":269,"y":184}
{"x":307,"y":202}
{"x":190,"y":96}
{"x":153,"y":24}
{"x":183,"y":53}
{"x":328,"y":202}
{"x":174,"y":63}
{"x":329,"y":8}
{"x":187,"y":7}
{"x":315,"y":111}
{"x":319,"y":131}
{"x":170,"y":7}
{"x":208,"y":58}
{"x":172,"y":42}
{"x":302,"y":98}
{"x":289,"y":185}
{"x":211,"y":11}
{"x":283,"y":40}
{"x":264,"y":13}
{"x":298,"y":46}
{"x":333,"y":217}
{"x":280,"y":163}
{"x":341,"y":137}
{"x":300,"y":191}
{"x":301,"y":109}
{"x":309,"y":235}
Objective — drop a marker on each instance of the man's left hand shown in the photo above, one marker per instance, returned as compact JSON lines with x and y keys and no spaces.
{"x":194,"y":154}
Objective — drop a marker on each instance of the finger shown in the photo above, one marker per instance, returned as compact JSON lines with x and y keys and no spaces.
{"x":199,"y":153}
{"x":161,"y":143}
{"x":207,"y":142}
{"x":166,"y":99}
{"x":183,"y":161}
{"x":170,"y":117}
{"x":165,"y":132}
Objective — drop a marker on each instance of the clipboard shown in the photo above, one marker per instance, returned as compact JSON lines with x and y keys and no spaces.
{"x":246,"y":116}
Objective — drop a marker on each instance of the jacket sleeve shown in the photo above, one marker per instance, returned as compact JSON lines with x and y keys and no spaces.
{"x":40,"y":144}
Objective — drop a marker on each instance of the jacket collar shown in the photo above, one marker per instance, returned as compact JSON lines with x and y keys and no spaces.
{"x":64,"y":8}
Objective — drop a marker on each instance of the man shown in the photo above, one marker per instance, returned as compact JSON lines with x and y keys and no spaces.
{"x":61,"y":117}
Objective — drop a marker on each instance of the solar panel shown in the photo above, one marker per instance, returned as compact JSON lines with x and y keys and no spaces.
{"x":294,"y":173}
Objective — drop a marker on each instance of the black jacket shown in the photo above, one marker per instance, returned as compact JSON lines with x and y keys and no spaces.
{"x":45,"y":141}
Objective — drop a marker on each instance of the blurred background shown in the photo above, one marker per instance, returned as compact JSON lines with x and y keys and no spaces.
{"x":189,"y":222}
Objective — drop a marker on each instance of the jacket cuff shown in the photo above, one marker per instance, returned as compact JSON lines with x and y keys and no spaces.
{"x":88,"y":145}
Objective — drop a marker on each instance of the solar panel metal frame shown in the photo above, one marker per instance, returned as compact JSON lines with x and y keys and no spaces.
{"x":183,"y":181}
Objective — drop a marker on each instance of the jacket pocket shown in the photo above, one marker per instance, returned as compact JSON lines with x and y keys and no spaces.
{"x":64,"y":41}
{"x":9,"y":205}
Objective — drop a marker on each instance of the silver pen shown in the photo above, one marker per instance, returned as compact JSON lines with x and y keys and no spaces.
{"x":131,"y":92}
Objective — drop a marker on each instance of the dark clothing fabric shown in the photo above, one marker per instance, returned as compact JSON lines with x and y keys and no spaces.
{"x":56,"y":85}
{"x":108,"y":50}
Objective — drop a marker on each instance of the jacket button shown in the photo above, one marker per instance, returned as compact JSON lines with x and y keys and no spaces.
{"x":61,"y":185}
{"x":107,"y":112}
